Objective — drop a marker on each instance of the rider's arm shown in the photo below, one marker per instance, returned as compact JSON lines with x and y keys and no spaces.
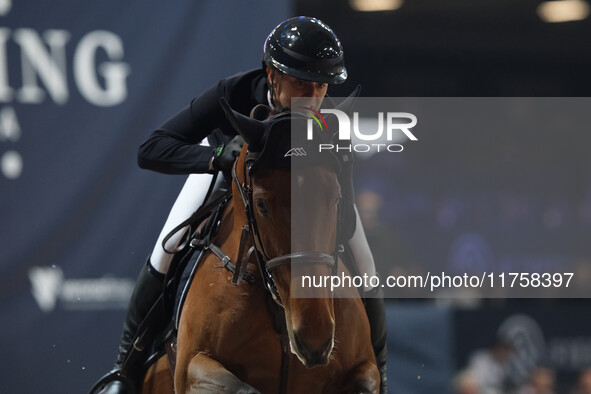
{"x":174,"y":148}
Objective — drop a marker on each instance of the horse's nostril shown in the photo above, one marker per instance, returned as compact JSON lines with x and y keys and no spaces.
{"x":298,"y":342}
{"x":313,"y":356}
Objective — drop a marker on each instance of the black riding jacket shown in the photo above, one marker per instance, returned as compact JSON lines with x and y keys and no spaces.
{"x":174,"y":148}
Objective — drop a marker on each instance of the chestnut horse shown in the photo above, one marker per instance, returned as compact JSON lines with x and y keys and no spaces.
{"x":227,"y":337}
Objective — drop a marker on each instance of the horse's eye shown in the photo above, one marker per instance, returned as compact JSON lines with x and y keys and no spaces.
{"x":261,"y":207}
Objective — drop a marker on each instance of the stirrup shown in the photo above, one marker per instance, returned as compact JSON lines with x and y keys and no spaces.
{"x":113,"y":376}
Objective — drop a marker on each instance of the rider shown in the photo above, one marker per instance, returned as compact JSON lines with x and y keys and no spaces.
{"x":302,"y":56}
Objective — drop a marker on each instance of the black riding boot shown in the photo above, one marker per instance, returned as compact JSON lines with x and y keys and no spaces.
{"x":374,"y":307}
{"x":147,"y":289}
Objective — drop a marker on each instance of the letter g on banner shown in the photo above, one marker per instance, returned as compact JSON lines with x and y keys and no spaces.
{"x":5,"y":6}
{"x":114,"y":72}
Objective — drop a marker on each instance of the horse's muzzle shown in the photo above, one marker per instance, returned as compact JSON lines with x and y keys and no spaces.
{"x":312,"y":357}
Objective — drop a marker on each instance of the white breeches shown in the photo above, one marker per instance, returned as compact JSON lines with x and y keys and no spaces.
{"x":361,"y":253}
{"x":190,"y":198}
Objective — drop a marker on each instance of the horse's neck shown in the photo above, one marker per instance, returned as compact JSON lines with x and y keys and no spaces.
{"x":226,"y":224}
{"x":230,"y":230}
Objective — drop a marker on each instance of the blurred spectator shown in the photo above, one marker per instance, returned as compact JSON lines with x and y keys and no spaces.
{"x":388,"y":248}
{"x":466,"y":383}
{"x":584,"y":383}
{"x":489,"y":367}
{"x":541,"y":381}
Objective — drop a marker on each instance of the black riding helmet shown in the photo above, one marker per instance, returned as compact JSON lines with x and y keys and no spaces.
{"x":306,"y":48}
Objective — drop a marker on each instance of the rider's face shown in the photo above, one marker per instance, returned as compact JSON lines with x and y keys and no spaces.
{"x":287,"y":87}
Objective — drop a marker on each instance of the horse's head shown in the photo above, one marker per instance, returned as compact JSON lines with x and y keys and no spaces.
{"x":292,"y":211}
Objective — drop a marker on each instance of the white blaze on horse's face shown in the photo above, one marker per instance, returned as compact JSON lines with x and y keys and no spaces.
{"x":297,"y":213}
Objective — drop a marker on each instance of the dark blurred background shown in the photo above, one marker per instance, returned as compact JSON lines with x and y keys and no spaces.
{"x":517,"y":198}
{"x":78,"y":218}
{"x":458,"y":48}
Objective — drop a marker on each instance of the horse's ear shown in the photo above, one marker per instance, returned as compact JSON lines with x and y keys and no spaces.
{"x":347,"y":104}
{"x":251,"y":130}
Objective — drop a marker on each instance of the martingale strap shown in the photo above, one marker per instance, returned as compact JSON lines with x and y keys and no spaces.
{"x":238,"y":270}
{"x":241,"y":264}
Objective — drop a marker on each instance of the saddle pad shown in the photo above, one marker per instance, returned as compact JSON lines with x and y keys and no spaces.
{"x":185,"y":283}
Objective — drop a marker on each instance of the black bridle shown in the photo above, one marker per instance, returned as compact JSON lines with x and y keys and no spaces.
{"x":250,"y":230}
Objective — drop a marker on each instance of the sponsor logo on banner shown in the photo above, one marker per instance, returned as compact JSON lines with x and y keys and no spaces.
{"x":51,"y":289}
{"x":97,"y":70}
{"x":529,"y":345}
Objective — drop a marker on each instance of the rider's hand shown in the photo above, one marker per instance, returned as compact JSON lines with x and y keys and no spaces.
{"x":225,"y":155}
